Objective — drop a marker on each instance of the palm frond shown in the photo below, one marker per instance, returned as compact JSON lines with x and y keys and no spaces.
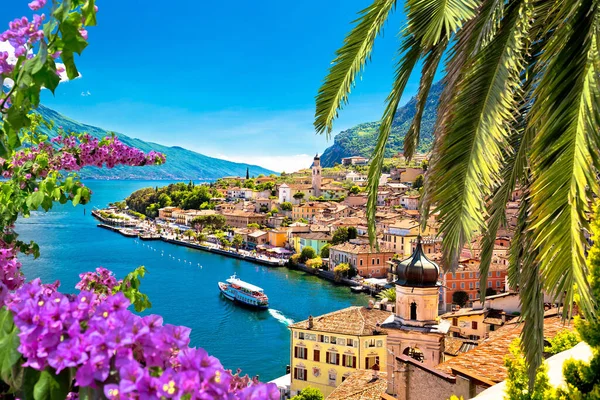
{"x":432,"y":61}
{"x":350,"y":60}
{"x":470,"y":156}
{"x":411,"y":48}
{"x":561,"y":155}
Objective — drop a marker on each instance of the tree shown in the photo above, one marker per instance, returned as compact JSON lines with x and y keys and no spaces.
{"x":189,"y":233}
{"x":286,"y":206}
{"x":211,"y":221}
{"x":237,"y":241}
{"x":489,"y":291}
{"x":425,"y":165}
{"x":519,"y":108}
{"x":460,"y":298}
{"x":309,"y":393}
{"x":247,"y":173}
{"x":225,"y":243}
{"x":418,"y":183}
{"x":389,"y":294}
{"x":354,"y":189}
{"x":517,"y":380}
{"x":201,"y":237}
{"x":274,"y":211}
{"x":352,"y":232}
{"x":340,"y":235}
{"x":325,"y":251}
{"x":314,"y":263}
{"x":253,"y":225}
{"x":341,"y":270}
{"x":299,"y":195}
{"x":307,"y":253}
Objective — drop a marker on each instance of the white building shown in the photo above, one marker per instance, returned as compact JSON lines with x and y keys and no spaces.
{"x":285,"y":193}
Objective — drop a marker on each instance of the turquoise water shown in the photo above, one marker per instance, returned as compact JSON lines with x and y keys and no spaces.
{"x":184,"y":293}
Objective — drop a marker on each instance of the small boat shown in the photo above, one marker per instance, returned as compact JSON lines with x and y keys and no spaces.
{"x":357,"y":289}
{"x":239,"y":291}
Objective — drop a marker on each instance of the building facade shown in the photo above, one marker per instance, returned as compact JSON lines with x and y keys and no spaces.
{"x":368,"y":262}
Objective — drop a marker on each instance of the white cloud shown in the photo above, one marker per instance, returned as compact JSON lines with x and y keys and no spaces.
{"x":287,"y":163}
{"x":86,"y":94}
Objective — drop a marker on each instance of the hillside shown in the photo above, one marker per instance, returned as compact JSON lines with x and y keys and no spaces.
{"x":361,"y":139}
{"x":181,"y":164}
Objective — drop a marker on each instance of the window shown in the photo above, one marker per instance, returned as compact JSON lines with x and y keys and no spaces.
{"x":490,"y":274}
{"x":350,"y":343}
{"x":341,"y":342}
{"x":300,"y":352}
{"x":413,"y":311}
{"x":333,"y":340}
{"x":470,"y":275}
{"x":470,"y":295}
{"x":332,"y":378}
{"x":454,"y":321}
{"x":470,"y":285}
{"x":497,"y":274}
{"x":332,"y":358}
{"x":477,"y":274}
{"x":473,"y":324}
{"x":370,"y":361}
{"x":489,"y":283}
{"x":474,"y":337}
{"x":462,"y":276}
{"x":454,"y":286}
{"x":360,"y":262}
{"x":317,"y":355}
{"x":477,"y":285}
{"x":370,"y":343}
{"x":454,"y":275}
{"x":320,"y":338}
{"x":497,"y":284}
{"x":462,"y":285}
{"x":349,"y":361}
{"x":300,"y":374}
{"x":301,"y":335}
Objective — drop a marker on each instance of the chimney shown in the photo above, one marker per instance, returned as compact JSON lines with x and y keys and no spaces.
{"x":375,"y":372}
{"x":503,"y":318}
{"x":310,"y":322}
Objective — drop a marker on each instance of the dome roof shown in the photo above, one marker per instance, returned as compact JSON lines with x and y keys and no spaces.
{"x":417,"y":270}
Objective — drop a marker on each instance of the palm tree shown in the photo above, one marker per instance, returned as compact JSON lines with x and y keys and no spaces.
{"x":519,"y":109}
{"x":389,"y":294}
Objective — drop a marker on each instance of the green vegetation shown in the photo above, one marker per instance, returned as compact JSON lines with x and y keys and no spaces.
{"x":237,"y":241}
{"x":185,"y":196}
{"x":389,"y":294}
{"x":517,"y":381}
{"x":309,"y":393}
{"x":211,"y":222}
{"x":563,"y":340}
{"x":286,"y":206}
{"x":341,"y":270}
{"x":314,"y":263}
{"x":460,"y":298}
{"x":307,"y":253}
{"x":325,"y":251}
{"x":343,"y":234}
{"x":419,"y":181}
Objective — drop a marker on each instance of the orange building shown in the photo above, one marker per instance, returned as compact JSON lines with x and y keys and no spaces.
{"x":277,"y":238}
{"x":367,"y":261}
{"x":466,"y":279}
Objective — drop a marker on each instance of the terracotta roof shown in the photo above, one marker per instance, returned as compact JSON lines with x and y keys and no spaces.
{"x":315,"y":236}
{"x":454,"y":346}
{"x":358,"y":321}
{"x":361,"y":386}
{"x":487,"y":359}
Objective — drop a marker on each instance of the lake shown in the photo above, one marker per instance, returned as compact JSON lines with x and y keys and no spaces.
{"x":183,"y":288}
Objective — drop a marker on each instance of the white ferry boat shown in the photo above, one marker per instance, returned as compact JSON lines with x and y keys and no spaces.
{"x":237,"y":290}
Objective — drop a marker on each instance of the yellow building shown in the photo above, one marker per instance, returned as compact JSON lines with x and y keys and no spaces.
{"x":327,"y":349}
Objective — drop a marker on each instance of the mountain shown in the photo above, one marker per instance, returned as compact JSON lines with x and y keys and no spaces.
{"x":361,"y":139}
{"x":181,"y":164}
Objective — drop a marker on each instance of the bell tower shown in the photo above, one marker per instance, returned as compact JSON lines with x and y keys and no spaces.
{"x":316,"y":176}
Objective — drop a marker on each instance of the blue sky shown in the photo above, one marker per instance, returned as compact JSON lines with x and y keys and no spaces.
{"x":235,"y":80}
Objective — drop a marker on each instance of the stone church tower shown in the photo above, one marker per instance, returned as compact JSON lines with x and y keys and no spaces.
{"x":415,"y":330}
{"x":316,"y":176}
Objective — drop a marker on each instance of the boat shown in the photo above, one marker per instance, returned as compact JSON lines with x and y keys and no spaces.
{"x":245,"y":293}
{"x":357,"y":289}
{"x":128,"y":232}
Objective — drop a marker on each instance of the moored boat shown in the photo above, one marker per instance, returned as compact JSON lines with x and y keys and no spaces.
{"x":245,"y":293}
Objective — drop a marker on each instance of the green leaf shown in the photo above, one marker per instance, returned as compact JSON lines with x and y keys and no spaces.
{"x":69,"y":61}
{"x":35,"y":200}
{"x":9,"y":342}
{"x":51,"y":386}
{"x":89,"y":14}
{"x":350,"y":60}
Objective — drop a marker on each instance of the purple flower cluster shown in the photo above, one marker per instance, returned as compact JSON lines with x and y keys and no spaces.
{"x":75,"y":153}
{"x":6,"y":68}
{"x":22,"y":33}
{"x":11,"y":277}
{"x":37,"y":4}
{"x":101,"y":282}
{"x":113,"y":350}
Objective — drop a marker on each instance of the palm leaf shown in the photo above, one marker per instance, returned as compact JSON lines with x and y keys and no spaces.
{"x":469,"y":160}
{"x":432,"y":61}
{"x":350,"y":60}
{"x":411,"y":49}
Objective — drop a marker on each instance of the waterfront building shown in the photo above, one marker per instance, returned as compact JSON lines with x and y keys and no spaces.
{"x":166,"y":213}
{"x":257,"y":238}
{"x":277,"y":238}
{"x":189,"y":215}
{"x":368,"y":261}
{"x":327,"y":349}
{"x":355,"y":160}
{"x":316,"y":240}
{"x":415,"y":331}
{"x":241,"y":219}
{"x":316,"y":176}
{"x":466,"y":278}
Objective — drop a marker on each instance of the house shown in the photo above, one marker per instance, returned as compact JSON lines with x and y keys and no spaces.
{"x":191,"y":214}
{"x":405,"y":174}
{"x":355,"y":160}
{"x":257,"y":238}
{"x":327,"y":349}
{"x":332,"y":191}
{"x":356,"y":178}
{"x":356,"y":200}
{"x":166,"y":213}
{"x":264,"y":204}
{"x":399,"y":236}
{"x":284,"y":193}
{"x":241,"y":219}
{"x":475,"y":323}
{"x":466,"y":278}
{"x":410,"y":202}
{"x":308,"y":210}
{"x":316,"y":240}
{"x":277,"y":238}
{"x":368,"y":262}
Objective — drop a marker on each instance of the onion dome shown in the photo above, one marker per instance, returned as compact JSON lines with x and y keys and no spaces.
{"x":417,"y":270}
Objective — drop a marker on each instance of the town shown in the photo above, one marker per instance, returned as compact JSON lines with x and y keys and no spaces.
{"x":425,"y":333}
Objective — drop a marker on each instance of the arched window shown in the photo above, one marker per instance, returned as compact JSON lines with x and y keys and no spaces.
{"x":415,"y":353}
{"x":413,"y":311}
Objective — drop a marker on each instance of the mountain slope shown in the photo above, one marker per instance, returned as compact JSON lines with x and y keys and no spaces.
{"x":361,"y":139}
{"x":181,"y":164}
